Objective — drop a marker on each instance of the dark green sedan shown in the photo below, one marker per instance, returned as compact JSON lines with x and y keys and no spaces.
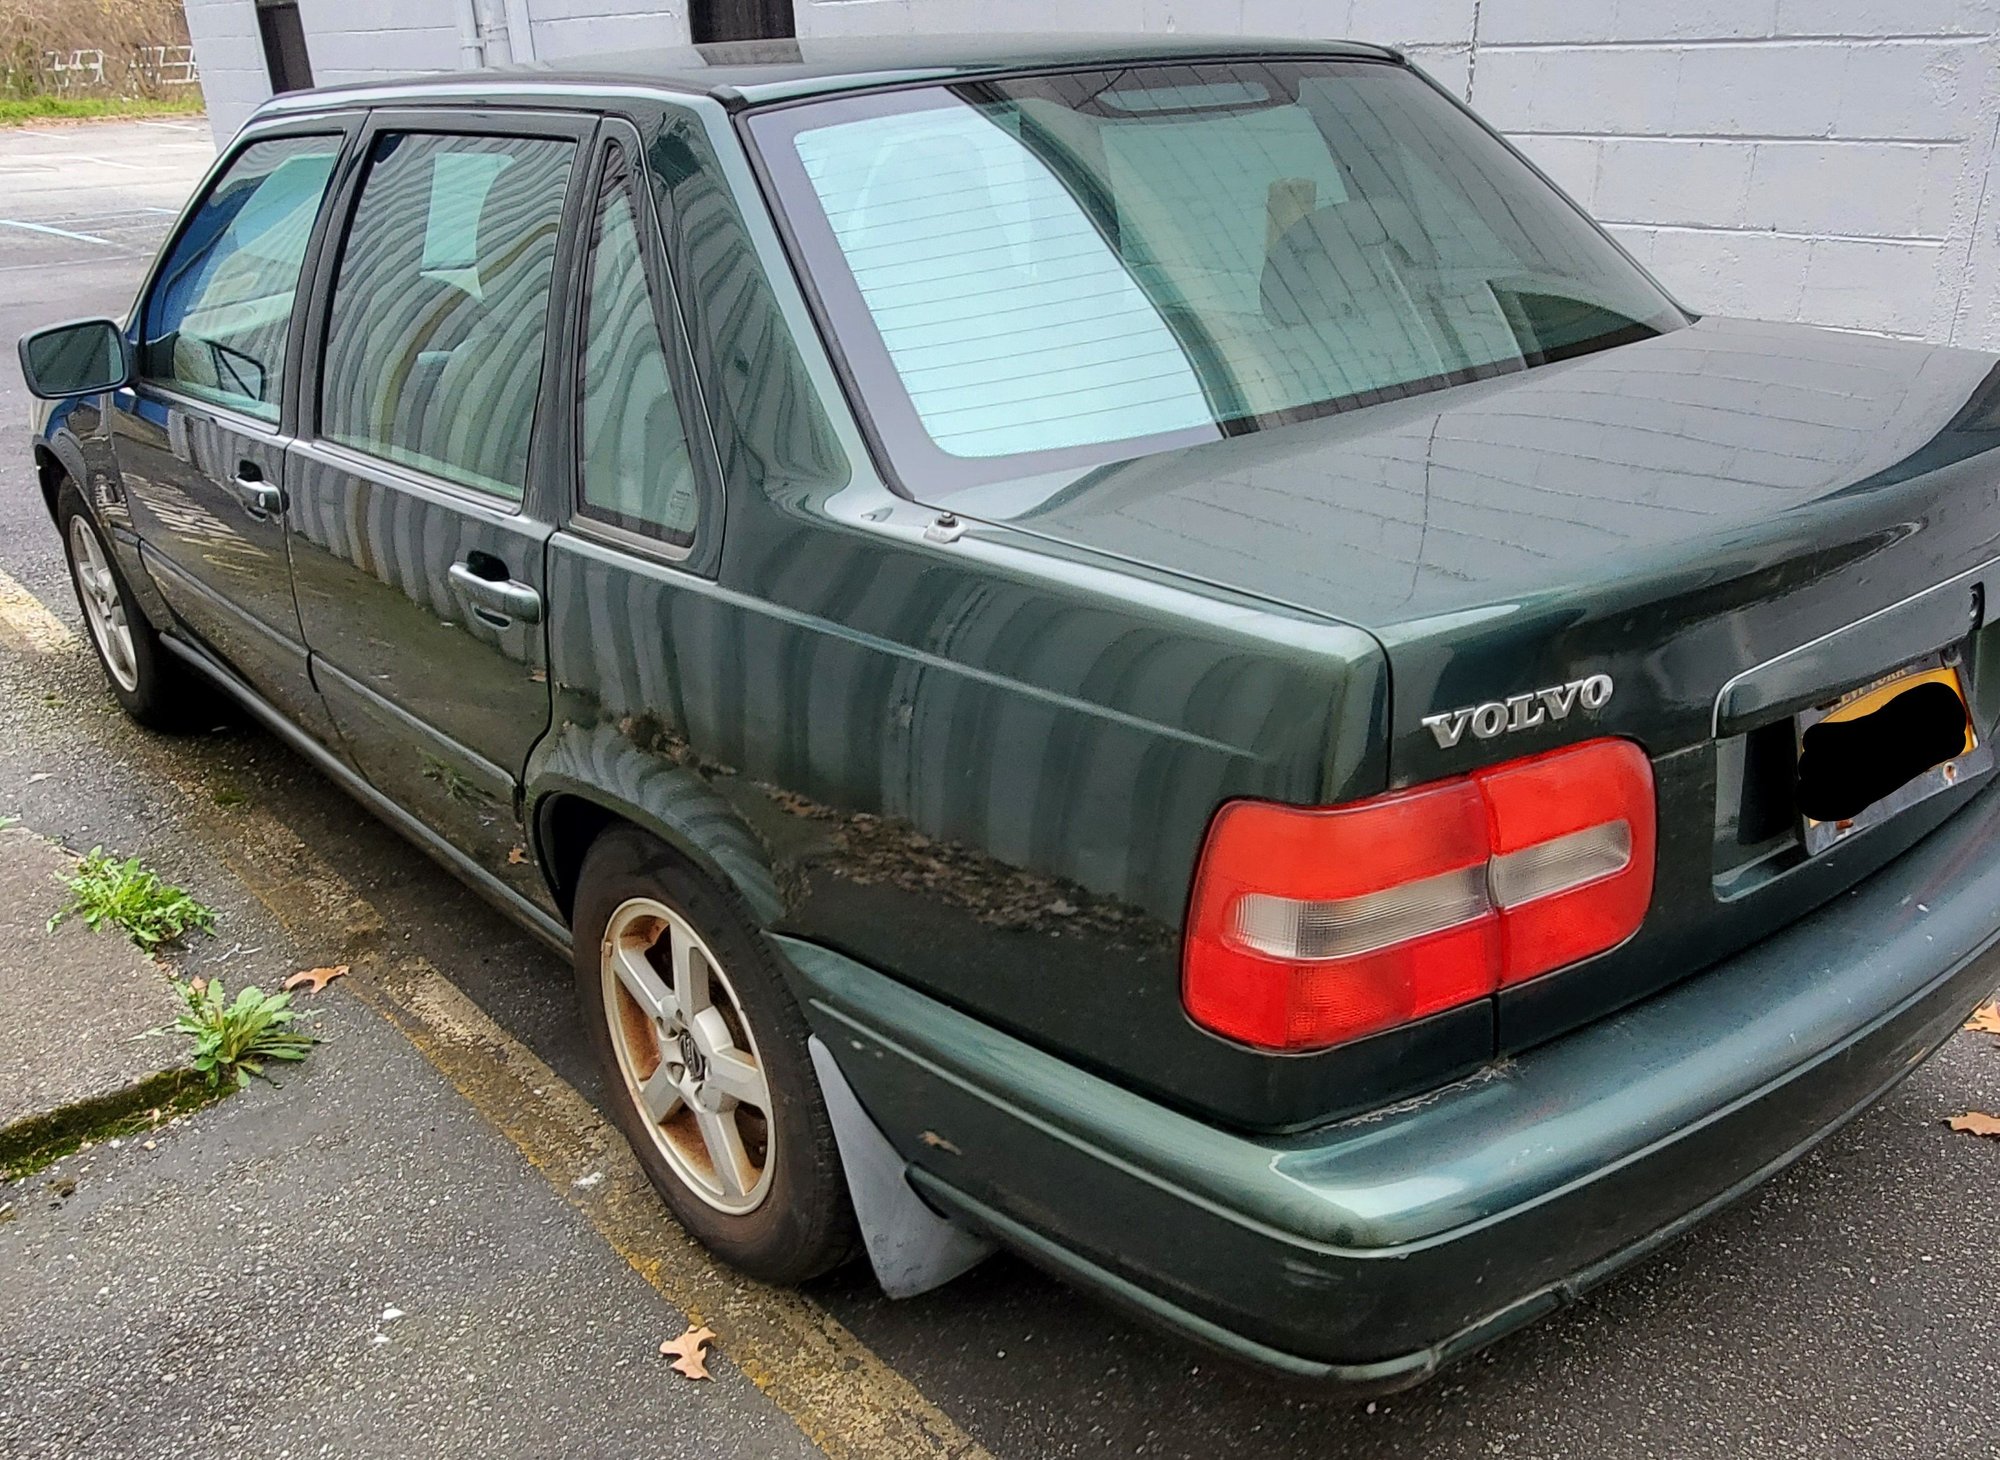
{"x":1151,"y":652}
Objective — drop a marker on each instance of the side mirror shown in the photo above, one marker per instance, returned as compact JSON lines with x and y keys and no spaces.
{"x":83,"y":357}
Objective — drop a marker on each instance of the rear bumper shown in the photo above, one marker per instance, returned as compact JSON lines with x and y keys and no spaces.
{"x":1370,"y":1252}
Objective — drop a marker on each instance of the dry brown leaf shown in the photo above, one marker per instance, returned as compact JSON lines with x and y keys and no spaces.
{"x":1985,"y":1019}
{"x":1976,"y":1122}
{"x":312,"y":980}
{"x":688,"y":1352}
{"x":517,"y":856}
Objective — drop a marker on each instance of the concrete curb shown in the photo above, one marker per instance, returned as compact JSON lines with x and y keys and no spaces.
{"x":73,"y":1003}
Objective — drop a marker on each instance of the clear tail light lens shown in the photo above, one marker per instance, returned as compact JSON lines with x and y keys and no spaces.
{"x":1313,"y":926}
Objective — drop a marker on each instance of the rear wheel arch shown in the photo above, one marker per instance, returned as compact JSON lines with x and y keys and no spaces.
{"x":569,"y":821}
{"x":566,"y":827}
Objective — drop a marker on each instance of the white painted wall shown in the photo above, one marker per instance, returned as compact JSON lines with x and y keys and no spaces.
{"x":373,"y":40}
{"x":1824,"y":160}
{"x":231,"y":57}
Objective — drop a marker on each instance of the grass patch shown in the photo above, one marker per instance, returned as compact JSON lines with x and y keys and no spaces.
{"x":28,"y":1145}
{"x":235,"y":1038}
{"x":228,"y":794}
{"x":126,"y":895}
{"x":17,"y":110}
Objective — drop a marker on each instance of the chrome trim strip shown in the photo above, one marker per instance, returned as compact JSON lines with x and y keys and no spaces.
{"x":1960,"y":583}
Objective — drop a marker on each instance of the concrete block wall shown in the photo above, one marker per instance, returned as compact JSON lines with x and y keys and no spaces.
{"x":581,"y":27}
{"x":374,"y":40}
{"x":369,"y":40}
{"x":1820,"y":160}
{"x":230,"y":52}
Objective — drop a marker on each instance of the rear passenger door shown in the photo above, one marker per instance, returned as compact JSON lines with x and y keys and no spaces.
{"x":420,"y":502}
{"x":200,"y":435}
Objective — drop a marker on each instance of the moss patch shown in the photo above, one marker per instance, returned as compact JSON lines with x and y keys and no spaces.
{"x":28,"y":1145}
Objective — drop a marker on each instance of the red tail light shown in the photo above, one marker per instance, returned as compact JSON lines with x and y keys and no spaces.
{"x":1310,"y":927}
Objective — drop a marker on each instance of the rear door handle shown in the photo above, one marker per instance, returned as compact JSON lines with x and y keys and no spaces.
{"x":498,"y":601}
{"x":260,"y":499}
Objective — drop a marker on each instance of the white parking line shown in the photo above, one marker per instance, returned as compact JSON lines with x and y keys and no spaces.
{"x":57,"y":232}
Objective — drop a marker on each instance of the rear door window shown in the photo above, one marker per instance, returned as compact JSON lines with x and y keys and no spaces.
{"x":216,"y":322}
{"x":440,"y":305}
{"x":636,"y":469}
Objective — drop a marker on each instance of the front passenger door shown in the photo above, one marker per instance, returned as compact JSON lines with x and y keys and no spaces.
{"x":418,"y":515}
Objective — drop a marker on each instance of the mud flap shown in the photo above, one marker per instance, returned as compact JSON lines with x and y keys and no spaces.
{"x":911,"y":1247}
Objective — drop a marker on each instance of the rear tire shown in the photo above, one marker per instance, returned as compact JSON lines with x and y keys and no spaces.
{"x":150,"y":685}
{"x":703,"y":1050}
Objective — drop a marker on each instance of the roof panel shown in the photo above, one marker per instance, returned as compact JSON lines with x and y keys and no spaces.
{"x":752,"y":73}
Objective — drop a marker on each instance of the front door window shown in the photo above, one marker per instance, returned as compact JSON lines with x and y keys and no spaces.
{"x":216,"y":323}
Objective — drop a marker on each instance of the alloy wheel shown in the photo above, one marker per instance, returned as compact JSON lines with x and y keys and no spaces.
{"x":103,"y":604}
{"x":687,"y":1054}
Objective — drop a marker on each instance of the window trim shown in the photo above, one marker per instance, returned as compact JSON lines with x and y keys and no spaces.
{"x":619,"y":139}
{"x":449,"y":118}
{"x":341,"y":124}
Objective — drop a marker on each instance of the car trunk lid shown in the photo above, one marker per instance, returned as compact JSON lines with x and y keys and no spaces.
{"x":1682,"y":540}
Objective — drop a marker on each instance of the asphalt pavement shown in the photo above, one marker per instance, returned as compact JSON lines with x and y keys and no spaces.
{"x":223,"y":1292}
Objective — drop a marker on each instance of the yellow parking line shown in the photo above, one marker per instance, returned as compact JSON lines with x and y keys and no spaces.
{"x":832,"y":1385}
{"x":25,"y":624}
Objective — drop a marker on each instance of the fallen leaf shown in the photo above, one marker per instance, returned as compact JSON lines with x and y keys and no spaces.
{"x":688,"y":1351}
{"x":517,"y":857}
{"x":315,"y":979}
{"x":1985,"y":1019}
{"x":1976,"y":1122}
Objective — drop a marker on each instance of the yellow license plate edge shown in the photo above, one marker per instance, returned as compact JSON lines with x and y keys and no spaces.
{"x":1873,"y":699}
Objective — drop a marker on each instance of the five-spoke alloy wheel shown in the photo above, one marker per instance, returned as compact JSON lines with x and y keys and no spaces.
{"x":151,"y":685}
{"x":103,"y":604}
{"x":687,"y":1054}
{"x":704,"y":1054}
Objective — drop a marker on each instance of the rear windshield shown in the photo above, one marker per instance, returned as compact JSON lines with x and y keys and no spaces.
{"x":1058,"y":271}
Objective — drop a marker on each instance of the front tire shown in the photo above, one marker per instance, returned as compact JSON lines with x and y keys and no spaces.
{"x":148,"y":683}
{"x":703,"y":1051}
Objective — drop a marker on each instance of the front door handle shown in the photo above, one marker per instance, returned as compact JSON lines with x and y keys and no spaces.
{"x":497,"y":601}
{"x":259,"y":498}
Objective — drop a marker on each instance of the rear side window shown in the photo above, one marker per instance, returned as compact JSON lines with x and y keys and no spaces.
{"x":440,"y":305}
{"x":636,"y":470}
{"x":216,"y":321}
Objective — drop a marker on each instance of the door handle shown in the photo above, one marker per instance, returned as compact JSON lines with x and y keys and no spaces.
{"x":498,"y":601}
{"x":260,"y":499}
